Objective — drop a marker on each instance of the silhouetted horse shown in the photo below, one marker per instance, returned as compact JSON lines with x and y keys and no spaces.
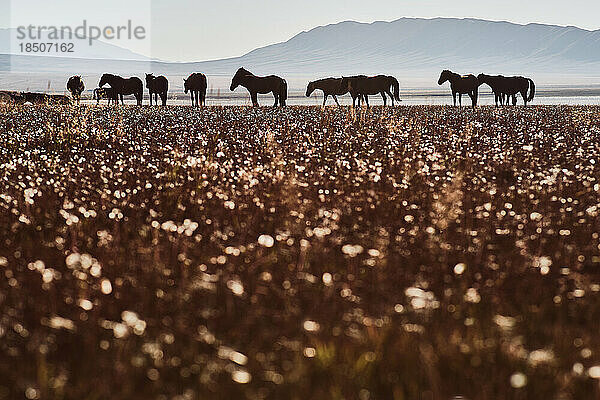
{"x":157,"y":86}
{"x":35,"y":98}
{"x":196,"y":84}
{"x":465,"y":84}
{"x":362,"y":86}
{"x":518,"y":84}
{"x":106,"y":93}
{"x":496,"y":83}
{"x":349,"y":82}
{"x":329,"y":86}
{"x":260,"y":84}
{"x":509,"y":86}
{"x":123,"y":86}
{"x":76,"y":87}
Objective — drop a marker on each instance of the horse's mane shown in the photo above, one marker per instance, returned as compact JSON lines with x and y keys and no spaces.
{"x":244,"y":71}
{"x":111,"y":75}
{"x":325,"y":80}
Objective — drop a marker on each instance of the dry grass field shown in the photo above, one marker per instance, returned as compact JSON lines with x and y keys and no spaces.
{"x":235,"y":253}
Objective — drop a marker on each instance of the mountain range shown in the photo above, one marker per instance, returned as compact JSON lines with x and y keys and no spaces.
{"x":414,"y":49}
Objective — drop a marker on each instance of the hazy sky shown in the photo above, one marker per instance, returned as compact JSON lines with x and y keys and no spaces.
{"x":194,"y":30}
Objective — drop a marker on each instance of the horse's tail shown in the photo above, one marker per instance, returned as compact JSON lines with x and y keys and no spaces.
{"x":395,"y":88}
{"x":284,"y":89}
{"x":531,"y":90}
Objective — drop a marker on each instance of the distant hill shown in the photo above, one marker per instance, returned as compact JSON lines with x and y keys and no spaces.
{"x":413,"y":49}
{"x":99,"y":50}
{"x":413,"y":44}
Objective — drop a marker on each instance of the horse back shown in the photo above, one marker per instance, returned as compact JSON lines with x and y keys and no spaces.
{"x":199,"y":81}
{"x":331,"y":86}
{"x":266,"y":84}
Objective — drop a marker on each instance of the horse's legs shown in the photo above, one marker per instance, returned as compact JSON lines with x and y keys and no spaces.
{"x":454,"y":97}
{"x":391,"y":96}
{"x":336,"y":100}
{"x":367,"y":101}
{"x":460,"y":99}
{"x":475,"y":96}
{"x":384,"y":98}
{"x":254,"y":97}
{"x":276,"y":99}
{"x":325,"y":99}
{"x":524,"y":94}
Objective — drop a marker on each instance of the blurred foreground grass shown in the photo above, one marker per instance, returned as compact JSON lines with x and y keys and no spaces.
{"x":228,"y":253}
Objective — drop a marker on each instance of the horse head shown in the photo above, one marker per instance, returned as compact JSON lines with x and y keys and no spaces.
{"x":236,"y":81}
{"x":185,"y":86}
{"x":482,"y":78}
{"x":444,"y":76}
{"x":104,"y":79}
{"x":345,"y":83}
{"x":149,"y":79}
{"x":310,"y":88}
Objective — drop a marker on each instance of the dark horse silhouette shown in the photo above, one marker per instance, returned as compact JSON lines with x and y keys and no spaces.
{"x":196,"y":84}
{"x":465,"y":84}
{"x":261,"y":84}
{"x":108,"y":93}
{"x":157,"y":86}
{"x":496,"y":83}
{"x":35,"y":98}
{"x":329,"y":86}
{"x":76,"y":87}
{"x":518,"y":84}
{"x":123,"y":86}
{"x":509,"y":86}
{"x":362,"y":86}
{"x":347,"y":82}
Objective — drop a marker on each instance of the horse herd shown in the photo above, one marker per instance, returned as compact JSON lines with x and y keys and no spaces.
{"x":360,"y":87}
{"x":504,"y":88}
